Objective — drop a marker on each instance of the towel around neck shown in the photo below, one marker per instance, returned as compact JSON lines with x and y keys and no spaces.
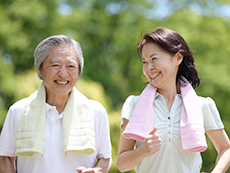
{"x":78,"y":125}
{"x":191,"y":123}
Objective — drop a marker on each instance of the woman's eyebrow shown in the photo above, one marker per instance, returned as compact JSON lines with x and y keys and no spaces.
{"x":153,"y":55}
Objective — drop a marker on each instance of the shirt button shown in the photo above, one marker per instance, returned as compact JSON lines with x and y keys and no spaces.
{"x":169,"y":125}
{"x":169,"y":139}
{"x":169,"y":132}
{"x":56,"y":122}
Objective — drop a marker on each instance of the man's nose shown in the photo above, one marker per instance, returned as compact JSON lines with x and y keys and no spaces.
{"x":63,"y":72}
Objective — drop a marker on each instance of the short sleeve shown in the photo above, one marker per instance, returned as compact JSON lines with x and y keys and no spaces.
{"x":8,"y":136}
{"x":102,"y":130}
{"x":128,"y":107}
{"x":9,"y":130}
{"x":211,"y":116}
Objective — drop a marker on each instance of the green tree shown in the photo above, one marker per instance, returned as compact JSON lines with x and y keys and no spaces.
{"x":108,"y":32}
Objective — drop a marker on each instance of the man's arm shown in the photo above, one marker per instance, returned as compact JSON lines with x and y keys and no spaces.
{"x":7,"y":164}
{"x":102,"y":166}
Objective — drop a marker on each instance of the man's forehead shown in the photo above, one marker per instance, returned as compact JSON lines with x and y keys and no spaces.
{"x":58,"y":61}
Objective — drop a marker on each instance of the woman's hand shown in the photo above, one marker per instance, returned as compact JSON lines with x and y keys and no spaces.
{"x":128,"y":157}
{"x":152,"y":143}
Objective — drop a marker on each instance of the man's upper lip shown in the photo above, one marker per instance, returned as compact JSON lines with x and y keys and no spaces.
{"x":62,"y":81}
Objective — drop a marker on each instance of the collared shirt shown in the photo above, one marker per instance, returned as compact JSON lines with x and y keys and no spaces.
{"x":171,"y":158}
{"x":53,"y":159}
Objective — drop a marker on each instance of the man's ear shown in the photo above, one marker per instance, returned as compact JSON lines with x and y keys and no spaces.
{"x":179,"y":58}
{"x":39,"y":73}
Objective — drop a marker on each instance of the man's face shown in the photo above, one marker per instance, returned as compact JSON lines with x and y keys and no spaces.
{"x":60,"y":72}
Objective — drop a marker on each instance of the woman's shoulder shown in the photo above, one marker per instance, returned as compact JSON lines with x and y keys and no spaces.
{"x":206,"y":102}
{"x":211,"y":115}
{"x":131,"y":99}
{"x":129,"y":106}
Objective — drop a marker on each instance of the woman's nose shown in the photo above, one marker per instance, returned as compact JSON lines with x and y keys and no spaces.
{"x":150,"y":66}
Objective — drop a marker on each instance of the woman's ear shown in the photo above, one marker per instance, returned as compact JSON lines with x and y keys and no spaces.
{"x":179,"y":58}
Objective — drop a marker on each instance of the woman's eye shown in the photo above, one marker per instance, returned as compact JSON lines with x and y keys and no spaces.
{"x":153,"y":59}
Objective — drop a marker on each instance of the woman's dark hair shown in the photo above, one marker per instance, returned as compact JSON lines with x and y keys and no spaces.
{"x":172,"y":42}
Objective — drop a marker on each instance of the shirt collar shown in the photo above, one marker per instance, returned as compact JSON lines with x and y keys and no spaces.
{"x":48,"y":107}
{"x":52,"y":108}
{"x":159,"y":95}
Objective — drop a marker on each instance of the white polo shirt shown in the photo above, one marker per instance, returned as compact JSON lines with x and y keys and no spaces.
{"x":171,"y":158}
{"x":53,"y":160}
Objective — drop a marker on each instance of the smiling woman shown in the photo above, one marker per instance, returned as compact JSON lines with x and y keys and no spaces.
{"x":166,"y":124}
{"x":159,"y":66}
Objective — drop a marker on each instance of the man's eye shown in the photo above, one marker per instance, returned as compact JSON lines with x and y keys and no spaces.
{"x":72,"y":66}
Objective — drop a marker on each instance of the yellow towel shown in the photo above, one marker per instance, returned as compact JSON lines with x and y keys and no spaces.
{"x":78,"y":125}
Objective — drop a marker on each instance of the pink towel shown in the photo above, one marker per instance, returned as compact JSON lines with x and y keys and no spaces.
{"x":191,"y":124}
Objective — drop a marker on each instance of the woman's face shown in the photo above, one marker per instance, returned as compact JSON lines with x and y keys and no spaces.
{"x":159,"y":66}
{"x":60,"y":71}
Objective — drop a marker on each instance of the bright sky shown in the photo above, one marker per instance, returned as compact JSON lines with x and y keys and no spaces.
{"x":160,"y":8}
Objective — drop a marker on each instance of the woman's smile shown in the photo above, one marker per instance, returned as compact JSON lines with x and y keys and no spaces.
{"x":154,"y":75}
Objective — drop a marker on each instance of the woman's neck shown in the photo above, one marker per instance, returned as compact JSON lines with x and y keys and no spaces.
{"x":169,"y":96}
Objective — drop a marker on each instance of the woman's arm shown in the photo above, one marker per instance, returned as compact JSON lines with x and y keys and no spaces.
{"x":128,"y":157}
{"x":221,"y":143}
{"x":7,"y":164}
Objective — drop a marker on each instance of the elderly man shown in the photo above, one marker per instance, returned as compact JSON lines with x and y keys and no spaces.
{"x":56,"y":129}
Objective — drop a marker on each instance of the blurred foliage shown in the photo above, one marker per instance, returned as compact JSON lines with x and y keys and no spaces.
{"x":108,"y":32}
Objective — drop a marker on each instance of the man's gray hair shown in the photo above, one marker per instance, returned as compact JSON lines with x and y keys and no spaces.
{"x":44,"y":47}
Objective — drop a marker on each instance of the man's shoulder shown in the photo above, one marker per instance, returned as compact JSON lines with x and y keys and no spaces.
{"x":96,"y":105}
{"x":18,"y":105}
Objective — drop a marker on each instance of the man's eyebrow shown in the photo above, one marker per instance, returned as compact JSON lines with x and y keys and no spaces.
{"x":57,"y":61}
{"x":54,"y":61}
{"x":72,"y":61}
